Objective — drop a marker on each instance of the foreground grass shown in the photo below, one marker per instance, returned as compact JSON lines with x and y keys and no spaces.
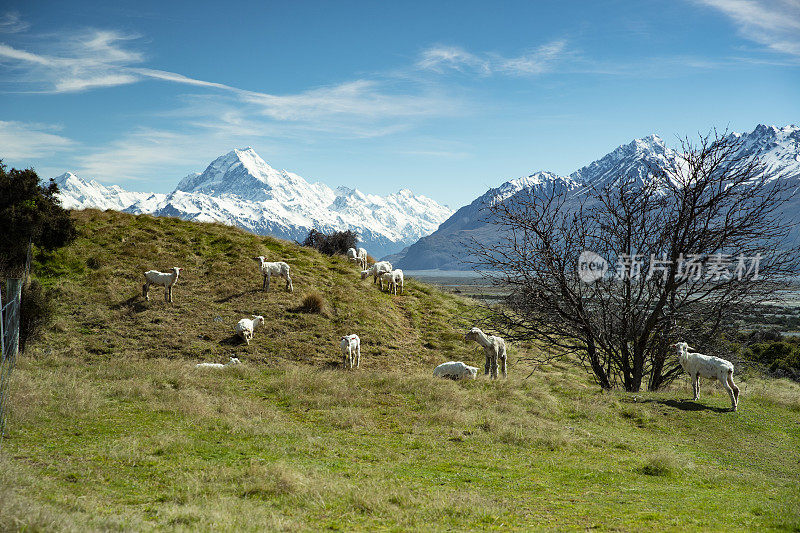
{"x":159,"y":444}
{"x":112,"y":426}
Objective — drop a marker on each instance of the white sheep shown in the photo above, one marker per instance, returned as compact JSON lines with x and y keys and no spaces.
{"x":233,"y":361}
{"x":352,"y":255}
{"x":247,"y":326}
{"x":351,"y":349}
{"x":277,"y":268}
{"x":697,"y":365}
{"x":397,"y":280}
{"x":162,"y":279}
{"x":495,"y":349}
{"x":387,"y":278}
{"x":362,"y":256}
{"x":455,"y":370}
{"x":376,"y":270}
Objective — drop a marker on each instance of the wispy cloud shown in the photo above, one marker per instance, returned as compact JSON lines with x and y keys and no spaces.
{"x":443,"y":58}
{"x":23,"y":140}
{"x":772,"y":23}
{"x":88,"y":60}
{"x":11,"y":22}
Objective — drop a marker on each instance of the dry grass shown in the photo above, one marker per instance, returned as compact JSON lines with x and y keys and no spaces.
{"x":312,"y":302}
{"x":112,"y":427}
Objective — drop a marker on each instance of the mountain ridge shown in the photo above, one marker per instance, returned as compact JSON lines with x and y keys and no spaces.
{"x":444,"y":248}
{"x":239,"y":188}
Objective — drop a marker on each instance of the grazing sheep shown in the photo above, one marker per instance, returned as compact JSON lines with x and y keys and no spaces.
{"x":352,"y":255}
{"x":351,"y":349}
{"x":455,"y":370}
{"x":233,"y":361}
{"x":495,"y":349}
{"x":362,"y":256}
{"x":247,"y":326}
{"x":162,"y":279}
{"x":392,"y":279}
{"x":388,"y":278}
{"x":278,"y":268}
{"x":376,"y":270}
{"x":707,"y":366}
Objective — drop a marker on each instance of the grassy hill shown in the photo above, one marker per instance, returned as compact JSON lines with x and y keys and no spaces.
{"x":112,"y":426}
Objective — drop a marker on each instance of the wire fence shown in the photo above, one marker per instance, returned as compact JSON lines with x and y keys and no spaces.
{"x":10,"y":317}
{"x":9,"y":339}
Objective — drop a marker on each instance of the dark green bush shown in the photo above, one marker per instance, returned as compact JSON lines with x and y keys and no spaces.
{"x":781,"y":358}
{"x":36,"y":313}
{"x":337,"y":242}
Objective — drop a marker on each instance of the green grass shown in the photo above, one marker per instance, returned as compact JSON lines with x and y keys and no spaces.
{"x":112,"y":427}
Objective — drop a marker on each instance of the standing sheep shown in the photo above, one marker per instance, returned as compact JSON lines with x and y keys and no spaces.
{"x":381,"y":267}
{"x":707,"y":366}
{"x":351,"y":349}
{"x":494,"y":347}
{"x":162,"y":279}
{"x":277,"y":268}
{"x":246,"y":327}
{"x":362,"y":256}
{"x":352,"y":255}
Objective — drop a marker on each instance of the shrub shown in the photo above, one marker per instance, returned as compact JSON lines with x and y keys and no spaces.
{"x":29,"y":211}
{"x":781,"y":358}
{"x":312,"y":302}
{"x":334,"y":243}
{"x":36,"y":312}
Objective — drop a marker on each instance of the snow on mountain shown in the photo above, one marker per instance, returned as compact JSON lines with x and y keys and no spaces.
{"x":779,"y":148}
{"x":77,"y":193}
{"x":241,"y":189}
{"x":444,"y":248}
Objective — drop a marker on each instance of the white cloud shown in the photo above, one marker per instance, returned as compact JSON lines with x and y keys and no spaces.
{"x":538,"y":61}
{"x":772,"y":23}
{"x":85,"y":61}
{"x":24,"y":140}
{"x":11,"y":22}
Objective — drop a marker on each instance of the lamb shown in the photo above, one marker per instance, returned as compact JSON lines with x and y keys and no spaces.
{"x":392,"y":279}
{"x":278,"y":268}
{"x":247,"y":326}
{"x":376,"y":270}
{"x":351,"y":349}
{"x":233,"y":361}
{"x":397,"y":279}
{"x":387,"y":278}
{"x":494,"y":347}
{"x":362,"y":256}
{"x":163,"y":279}
{"x":455,"y":370}
{"x":707,"y":366}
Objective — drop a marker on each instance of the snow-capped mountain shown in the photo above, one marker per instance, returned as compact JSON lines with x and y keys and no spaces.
{"x":241,"y":189}
{"x":444,"y":248}
{"x":77,"y":193}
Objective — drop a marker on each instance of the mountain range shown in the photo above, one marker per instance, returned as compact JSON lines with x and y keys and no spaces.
{"x":241,"y":189}
{"x":444,"y":249}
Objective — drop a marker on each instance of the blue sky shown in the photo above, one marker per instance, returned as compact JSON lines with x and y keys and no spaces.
{"x":445,"y":98}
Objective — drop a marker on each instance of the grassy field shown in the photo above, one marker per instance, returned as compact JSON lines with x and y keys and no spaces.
{"x":112,"y":426}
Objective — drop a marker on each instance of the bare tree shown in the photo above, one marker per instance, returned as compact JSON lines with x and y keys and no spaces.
{"x":692,"y":244}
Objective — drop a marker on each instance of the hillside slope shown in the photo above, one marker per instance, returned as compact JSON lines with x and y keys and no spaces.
{"x":104,"y":315}
{"x":113,"y":428}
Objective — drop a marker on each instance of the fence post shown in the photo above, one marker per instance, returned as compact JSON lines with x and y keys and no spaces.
{"x":14,"y":295}
{"x":11,"y":320}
